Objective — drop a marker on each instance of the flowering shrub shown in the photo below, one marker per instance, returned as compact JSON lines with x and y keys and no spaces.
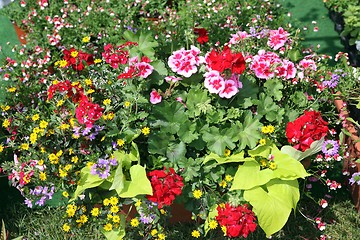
{"x":115,"y":121}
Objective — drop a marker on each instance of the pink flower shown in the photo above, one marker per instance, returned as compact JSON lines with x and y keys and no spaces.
{"x":262,"y":64}
{"x":237,"y":37}
{"x":286,"y":70}
{"x":214,"y":82}
{"x":185,"y":62}
{"x":307,"y":64}
{"x":145,"y":69}
{"x":155,"y":97}
{"x":230,"y":89}
{"x":277,"y":38}
{"x":323,"y":203}
{"x":172,"y":79}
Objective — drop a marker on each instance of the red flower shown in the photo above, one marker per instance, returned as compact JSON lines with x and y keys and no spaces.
{"x":77,"y":58}
{"x":87,"y":112}
{"x":203,"y":35}
{"x":166,"y":186}
{"x":306,"y":129}
{"x":239,"y":221}
{"x":220,"y":61}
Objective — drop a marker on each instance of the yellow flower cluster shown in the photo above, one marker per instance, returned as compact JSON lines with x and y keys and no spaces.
{"x":268,"y":129}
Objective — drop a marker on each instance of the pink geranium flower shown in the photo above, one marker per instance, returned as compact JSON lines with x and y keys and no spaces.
{"x":214,"y":82}
{"x":185,"y":62}
{"x":155,"y":97}
{"x":277,"y":38}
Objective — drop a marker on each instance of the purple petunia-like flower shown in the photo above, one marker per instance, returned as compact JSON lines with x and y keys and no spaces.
{"x":355,"y":178}
{"x":102,"y":167}
{"x":330,"y":147}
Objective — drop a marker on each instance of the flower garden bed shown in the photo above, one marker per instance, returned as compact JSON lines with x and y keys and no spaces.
{"x":216,"y":107}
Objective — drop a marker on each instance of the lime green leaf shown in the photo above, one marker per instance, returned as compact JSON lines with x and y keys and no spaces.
{"x":217,"y":142}
{"x":261,"y":151}
{"x":118,"y":182}
{"x":239,"y":157}
{"x":211,"y":216}
{"x":315,"y":147}
{"x":116,"y":234}
{"x":249,"y":133}
{"x":273,"y":207}
{"x":249,"y":176}
{"x":139,"y":183}
{"x":87,"y":180}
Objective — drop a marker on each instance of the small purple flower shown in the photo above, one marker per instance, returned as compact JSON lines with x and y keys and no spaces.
{"x":330,"y":147}
{"x":355,"y":178}
{"x":101,"y":168}
{"x":333,"y":82}
{"x":86,"y":131}
{"x":28,"y":203}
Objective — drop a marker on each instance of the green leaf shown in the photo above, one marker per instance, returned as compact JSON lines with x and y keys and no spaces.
{"x":273,"y":88}
{"x":273,"y":207}
{"x":197,"y":101}
{"x":158,"y":143}
{"x":239,"y":157}
{"x":138,"y":185}
{"x":217,"y":142}
{"x":268,"y":108}
{"x":159,"y":66}
{"x":249,"y":133}
{"x":315,"y":147}
{"x":249,"y":176}
{"x":175,"y":152}
{"x":118,"y":182}
{"x":211,"y":216}
{"x":87,"y":180}
{"x":116,"y":234}
{"x":294,"y":55}
{"x":187,"y":132}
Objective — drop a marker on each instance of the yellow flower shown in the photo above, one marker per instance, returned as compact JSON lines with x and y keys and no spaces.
{"x":25,"y":146}
{"x":106,"y":202}
{"x":68,"y":167}
{"x":33,"y":138}
{"x":271,"y":128}
{"x":213,"y":224}
{"x":120,"y":142}
{"x":62,"y":173}
{"x":223,"y":228}
{"x":145,"y":131}
{"x":228,"y":178}
{"x":59,"y":153}
{"x":114,"y":201}
{"x":86,"y":39}
{"x":42,"y":150}
{"x":35,"y":117}
{"x":195,"y":234}
{"x":227,"y":152}
{"x":83,"y":219}
{"x":114,"y":209}
{"x":55,"y":82}
{"x":223,"y":184}
{"x":70,"y":212}
{"x":12,"y":89}
{"x":90,"y":91}
{"x":127,"y":104}
{"x":272,"y":165}
{"x":5,"y":108}
{"x":109,"y":216}
{"x":61,"y":63}
{"x":153,"y":232}
{"x":262,"y":141}
{"x":161,"y":236}
{"x":53,"y":158}
{"x":106,"y":101}
{"x":65,"y":194}
{"x":6,"y":123}
{"x":66,"y":227}
{"x":89,"y":164}
{"x":134,"y":222}
{"x":263,"y":162}
{"x":60,"y":103}
{"x":64,"y":126}
{"x":95,"y":212}
{"x":162,"y":211}
{"x":108,"y":227}
{"x":264,"y":129}
{"x":97,"y":60}
{"x":116,"y":219}
{"x":43,"y":124}
{"x":197,"y":193}
{"x":74,"y":54}
{"x":74,"y":159}
{"x":110,"y":115}
{"x":1,"y":148}
{"x":138,"y":203}
{"x":42,"y":176}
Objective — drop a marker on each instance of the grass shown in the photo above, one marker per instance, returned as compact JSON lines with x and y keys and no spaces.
{"x":45,"y":223}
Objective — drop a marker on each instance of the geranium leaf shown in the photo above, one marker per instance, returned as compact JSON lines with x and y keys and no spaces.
{"x":249,"y":176}
{"x":139,"y":183}
{"x":249,"y":133}
{"x":187,"y":132}
{"x":175,"y":152}
{"x":273,"y":207}
{"x":273,"y":88}
{"x":158,"y":143}
{"x":217,"y":142}
{"x":196,"y":101}
{"x":159,"y":67}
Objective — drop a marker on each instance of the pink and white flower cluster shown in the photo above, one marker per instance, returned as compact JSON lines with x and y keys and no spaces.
{"x":185,"y":62}
{"x":267,"y":65}
{"x":226,"y":88}
{"x":277,"y":38}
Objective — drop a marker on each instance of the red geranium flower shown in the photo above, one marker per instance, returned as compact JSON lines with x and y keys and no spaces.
{"x":239,"y":221}
{"x":203,"y":35}
{"x":166,"y":186}
{"x":220,"y":61}
{"x":306,"y":129}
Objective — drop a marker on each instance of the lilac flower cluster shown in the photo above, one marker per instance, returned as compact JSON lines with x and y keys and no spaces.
{"x":146,"y":216}
{"x":43,"y":192}
{"x":102,"y":167}
{"x":330,"y":147}
{"x":335,"y":77}
{"x":86,"y":132}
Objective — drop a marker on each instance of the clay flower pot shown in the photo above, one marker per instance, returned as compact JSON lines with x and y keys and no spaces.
{"x":353,"y":143}
{"x":20,"y":33}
